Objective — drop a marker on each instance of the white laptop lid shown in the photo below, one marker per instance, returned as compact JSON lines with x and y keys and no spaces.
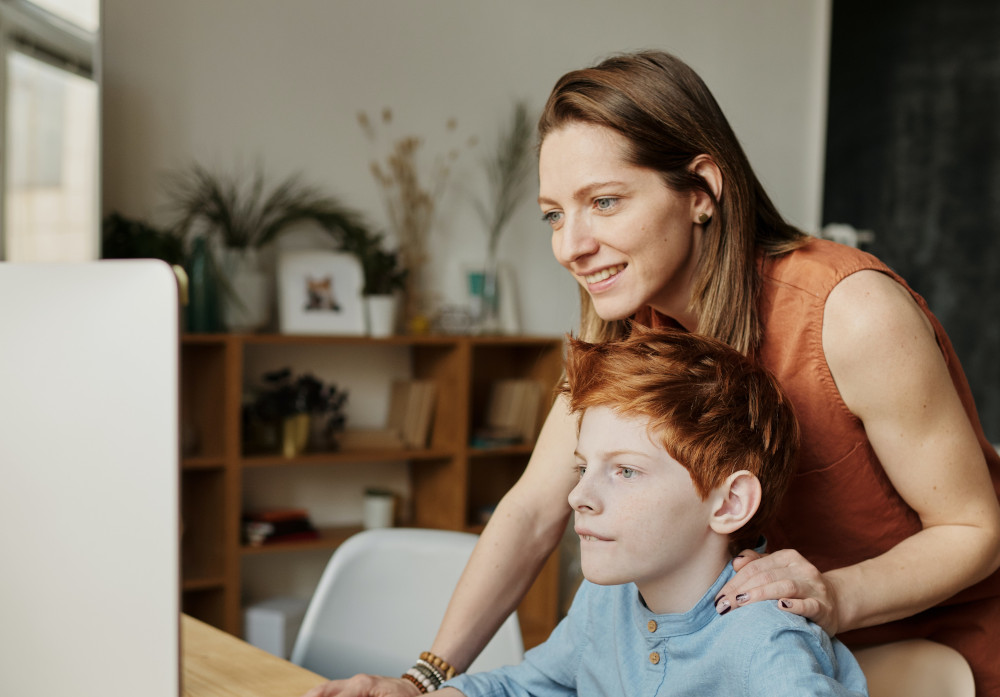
{"x":89,"y":512}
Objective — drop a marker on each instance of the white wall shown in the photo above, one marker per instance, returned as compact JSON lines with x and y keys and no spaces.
{"x":231,"y":82}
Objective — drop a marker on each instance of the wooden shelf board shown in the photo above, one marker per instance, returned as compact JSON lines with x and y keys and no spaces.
{"x":204,"y":338}
{"x":329,"y":538}
{"x":398,"y":340}
{"x":202,"y":584}
{"x":519,"y":449}
{"x":201,"y":462}
{"x":347,"y":457}
{"x":304,"y":339}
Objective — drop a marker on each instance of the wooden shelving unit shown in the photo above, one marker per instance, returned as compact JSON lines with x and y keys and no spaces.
{"x":449,"y":480}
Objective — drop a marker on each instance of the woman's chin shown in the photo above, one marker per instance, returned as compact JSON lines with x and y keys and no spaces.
{"x":613,"y":311}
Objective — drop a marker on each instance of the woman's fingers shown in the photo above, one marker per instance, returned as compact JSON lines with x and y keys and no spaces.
{"x":724,"y":600}
{"x":784,"y":576}
{"x":745,"y":557}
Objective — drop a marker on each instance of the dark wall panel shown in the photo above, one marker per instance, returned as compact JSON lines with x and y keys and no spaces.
{"x":913,"y":153}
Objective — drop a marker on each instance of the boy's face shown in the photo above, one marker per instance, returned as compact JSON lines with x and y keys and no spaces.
{"x":637,"y":512}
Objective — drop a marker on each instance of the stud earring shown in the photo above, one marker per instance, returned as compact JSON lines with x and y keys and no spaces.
{"x":703,"y":218}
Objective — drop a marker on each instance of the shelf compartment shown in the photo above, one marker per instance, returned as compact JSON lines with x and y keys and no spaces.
{"x":205,"y":605}
{"x":203,"y":535}
{"x":329,"y":538}
{"x":490,"y":477}
{"x":202,"y":391}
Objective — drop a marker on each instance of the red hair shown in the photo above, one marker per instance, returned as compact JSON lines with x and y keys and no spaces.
{"x":712,"y":409}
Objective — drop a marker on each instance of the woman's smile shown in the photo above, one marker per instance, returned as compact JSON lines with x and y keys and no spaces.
{"x":593,"y":279}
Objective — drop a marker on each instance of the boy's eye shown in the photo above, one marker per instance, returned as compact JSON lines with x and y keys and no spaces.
{"x":627,"y":472}
{"x":580,"y":469}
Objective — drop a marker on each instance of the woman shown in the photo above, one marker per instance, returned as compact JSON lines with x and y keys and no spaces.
{"x":891,"y":530}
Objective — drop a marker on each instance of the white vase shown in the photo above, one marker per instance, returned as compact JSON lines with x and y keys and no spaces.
{"x":381,"y":313}
{"x":246,"y":305}
{"x":379,"y":511}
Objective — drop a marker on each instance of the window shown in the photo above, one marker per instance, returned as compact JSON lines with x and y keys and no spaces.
{"x":82,"y":13}
{"x":50,"y":106}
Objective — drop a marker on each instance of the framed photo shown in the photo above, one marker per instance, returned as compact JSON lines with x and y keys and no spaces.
{"x":319,"y":292}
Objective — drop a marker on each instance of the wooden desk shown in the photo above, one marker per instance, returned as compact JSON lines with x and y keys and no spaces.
{"x":216,"y":664}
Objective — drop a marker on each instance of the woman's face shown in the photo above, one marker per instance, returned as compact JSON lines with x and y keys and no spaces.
{"x":626,"y":238}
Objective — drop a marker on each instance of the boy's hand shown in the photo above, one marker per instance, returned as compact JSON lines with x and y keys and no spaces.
{"x":785,"y":576}
{"x":362,"y":685}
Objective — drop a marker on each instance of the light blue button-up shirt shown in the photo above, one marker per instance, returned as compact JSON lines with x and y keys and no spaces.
{"x":611,"y":644}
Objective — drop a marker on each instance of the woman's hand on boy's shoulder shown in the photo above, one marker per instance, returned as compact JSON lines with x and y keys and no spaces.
{"x":785,"y":576}
{"x":362,"y":685}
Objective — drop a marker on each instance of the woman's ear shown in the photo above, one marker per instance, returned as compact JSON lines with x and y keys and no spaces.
{"x":705,"y":167}
{"x":735,"y":502}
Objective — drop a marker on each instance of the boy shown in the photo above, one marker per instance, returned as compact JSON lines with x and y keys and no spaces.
{"x":685,"y":446}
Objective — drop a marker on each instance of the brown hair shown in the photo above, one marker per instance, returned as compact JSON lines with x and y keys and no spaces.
{"x":669,"y":117}
{"x":712,"y":409}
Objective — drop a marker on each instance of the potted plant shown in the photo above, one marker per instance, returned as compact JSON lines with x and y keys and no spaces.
{"x":384,"y":276}
{"x":239,"y":215}
{"x":295,"y":411}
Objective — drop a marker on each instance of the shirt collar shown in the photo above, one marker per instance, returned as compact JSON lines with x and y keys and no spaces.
{"x":675,"y":624}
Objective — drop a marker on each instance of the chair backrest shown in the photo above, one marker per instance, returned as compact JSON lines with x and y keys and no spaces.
{"x":916,"y":668}
{"x":380,"y":601}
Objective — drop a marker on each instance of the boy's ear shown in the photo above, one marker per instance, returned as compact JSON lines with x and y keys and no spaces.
{"x":735,"y":502}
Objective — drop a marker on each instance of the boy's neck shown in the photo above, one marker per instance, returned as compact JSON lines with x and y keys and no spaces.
{"x":681,"y":589}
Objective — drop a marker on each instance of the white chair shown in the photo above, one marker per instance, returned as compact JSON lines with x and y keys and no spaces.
{"x":380,"y":601}
{"x":916,"y":668}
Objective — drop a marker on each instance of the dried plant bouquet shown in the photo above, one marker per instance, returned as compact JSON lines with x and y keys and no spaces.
{"x":410,"y":201}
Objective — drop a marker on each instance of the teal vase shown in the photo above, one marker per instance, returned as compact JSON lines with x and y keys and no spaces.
{"x":204,"y":309}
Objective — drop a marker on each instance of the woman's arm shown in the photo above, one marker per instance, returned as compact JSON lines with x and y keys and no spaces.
{"x":886,"y":363}
{"x":523,"y":531}
{"x":526,"y":526}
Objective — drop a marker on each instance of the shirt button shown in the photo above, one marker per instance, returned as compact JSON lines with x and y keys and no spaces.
{"x":654,"y":658}
{"x":651,"y":625}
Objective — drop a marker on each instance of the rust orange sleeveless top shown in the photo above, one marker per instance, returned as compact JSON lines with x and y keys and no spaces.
{"x":841,"y":508}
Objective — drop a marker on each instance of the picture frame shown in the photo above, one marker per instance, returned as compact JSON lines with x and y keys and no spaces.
{"x":320,"y":292}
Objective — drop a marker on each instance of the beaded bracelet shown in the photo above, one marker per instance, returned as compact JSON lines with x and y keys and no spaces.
{"x":439,"y":663}
{"x":430,"y":672}
{"x":422,"y":684}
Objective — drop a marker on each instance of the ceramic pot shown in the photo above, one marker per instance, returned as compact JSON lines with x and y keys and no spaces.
{"x":246,"y":303}
{"x":381,"y":314}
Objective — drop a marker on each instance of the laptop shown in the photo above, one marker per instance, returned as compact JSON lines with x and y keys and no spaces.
{"x":89,"y":480}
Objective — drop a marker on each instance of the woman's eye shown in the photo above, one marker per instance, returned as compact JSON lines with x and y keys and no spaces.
{"x":605,"y":203}
{"x":552,"y":217}
{"x":627,"y":472}
{"x":580,"y":469}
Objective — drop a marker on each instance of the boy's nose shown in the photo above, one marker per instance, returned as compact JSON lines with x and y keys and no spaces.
{"x":582,"y":498}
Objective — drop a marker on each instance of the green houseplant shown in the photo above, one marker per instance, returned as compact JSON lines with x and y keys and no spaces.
{"x":238,"y":215}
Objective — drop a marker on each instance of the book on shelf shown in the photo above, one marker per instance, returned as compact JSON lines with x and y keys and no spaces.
{"x":277,"y":525}
{"x":370,"y":439}
{"x":512,"y":414}
{"x":411,"y":411}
